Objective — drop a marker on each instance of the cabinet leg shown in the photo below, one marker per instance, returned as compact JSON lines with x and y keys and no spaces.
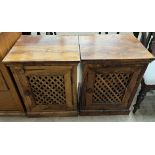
{"x":140,"y":98}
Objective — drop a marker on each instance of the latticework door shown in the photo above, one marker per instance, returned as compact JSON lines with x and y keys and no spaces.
{"x":109,"y":87}
{"x":47,"y":88}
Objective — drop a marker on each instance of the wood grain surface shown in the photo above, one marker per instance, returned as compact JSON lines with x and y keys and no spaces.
{"x":112,"y":47}
{"x":44,"y":48}
{"x":7,"y":40}
{"x":10,"y":103}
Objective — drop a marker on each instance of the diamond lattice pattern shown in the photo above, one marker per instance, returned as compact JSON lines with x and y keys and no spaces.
{"x":109,"y":88}
{"x":48,"y":89}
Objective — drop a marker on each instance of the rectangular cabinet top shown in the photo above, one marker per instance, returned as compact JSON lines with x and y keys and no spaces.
{"x":110,"y":47}
{"x":44,"y":48}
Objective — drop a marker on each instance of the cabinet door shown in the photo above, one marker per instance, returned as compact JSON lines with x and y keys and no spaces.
{"x":3,"y":86}
{"x":110,"y":87}
{"x":46,"y":88}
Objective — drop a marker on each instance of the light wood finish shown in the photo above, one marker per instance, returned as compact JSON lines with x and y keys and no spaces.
{"x":10,"y":103}
{"x":112,"y":68}
{"x":44,"y":48}
{"x":7,"y":40}
{"x":112,"y":47}
{"x":45,"y":70}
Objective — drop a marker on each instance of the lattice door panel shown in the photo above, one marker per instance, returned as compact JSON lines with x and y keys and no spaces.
{"x":109,"y":88}
{"x":48,"y":89}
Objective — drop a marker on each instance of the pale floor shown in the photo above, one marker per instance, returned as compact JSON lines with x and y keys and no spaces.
{"x":145,"y":114}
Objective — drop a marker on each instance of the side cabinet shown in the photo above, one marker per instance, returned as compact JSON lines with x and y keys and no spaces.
{"x":47,"y":90}
{"x":109,"y":89}
{"x":3,"y":85}
{"x":10,"y":102}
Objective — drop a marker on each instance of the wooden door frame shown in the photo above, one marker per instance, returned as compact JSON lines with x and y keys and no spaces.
{"x":20,"y":73}
{"x":134,"y":77}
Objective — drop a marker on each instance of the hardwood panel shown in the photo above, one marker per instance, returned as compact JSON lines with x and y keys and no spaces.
{"x":10,"y":103}
{"x":112,"y":47}
{"x":49,"y":89}
{"x":7,"y":40}
{"x":9,"y":98}
{"x":44,"y":48}
{"x":3,"y":86}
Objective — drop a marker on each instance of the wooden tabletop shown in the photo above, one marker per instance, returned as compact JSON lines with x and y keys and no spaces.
{"x":44,"y":48}
{"x":110,"y":47}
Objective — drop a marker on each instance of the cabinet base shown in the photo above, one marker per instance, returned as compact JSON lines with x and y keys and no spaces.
{"x":12,"y":113}
{"x":103,"y":112}
{"x":55,"y":114}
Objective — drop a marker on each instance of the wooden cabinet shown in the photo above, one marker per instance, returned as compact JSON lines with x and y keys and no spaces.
{"x":3,"y":86}
{"x":10,"y":103}
{"x":112,"y":67}
{"x":47,"y":79}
